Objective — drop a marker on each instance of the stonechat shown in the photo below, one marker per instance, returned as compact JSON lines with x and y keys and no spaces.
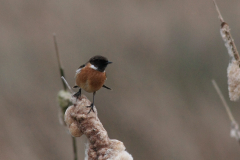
{"x":91,"y":77}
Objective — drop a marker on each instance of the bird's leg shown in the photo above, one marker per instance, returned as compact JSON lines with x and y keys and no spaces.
{"x":78,"y":94}
{"x":92,"y":105}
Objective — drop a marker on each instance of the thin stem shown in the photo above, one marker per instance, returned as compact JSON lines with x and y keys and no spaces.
{"x":74,"y":148}
{"x":59,"y":60}
{"x":66,"y":83}
{"x":223,"y":101}
{"x":234,"y":124}
{"x":219,"y":13}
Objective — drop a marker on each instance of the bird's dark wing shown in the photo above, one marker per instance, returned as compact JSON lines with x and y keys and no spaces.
{"x":82,"y":66}
{"x":106,"y":87}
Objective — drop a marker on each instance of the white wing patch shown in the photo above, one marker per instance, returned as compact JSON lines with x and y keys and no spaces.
{"x":78,"y":71}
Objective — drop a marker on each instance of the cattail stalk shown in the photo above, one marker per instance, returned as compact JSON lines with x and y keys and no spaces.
{"x":64,"y":97}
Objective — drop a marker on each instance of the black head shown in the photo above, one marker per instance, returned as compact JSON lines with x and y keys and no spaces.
{"x":99,"y":62}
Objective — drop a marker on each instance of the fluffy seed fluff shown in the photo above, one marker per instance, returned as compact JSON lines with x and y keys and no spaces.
{"x":233,"y":73}
{"x":64,"y":100}
{"x":235,"y":133}
{"x":100,"y":146}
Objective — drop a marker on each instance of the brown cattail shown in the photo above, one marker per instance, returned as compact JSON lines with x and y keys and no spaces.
{"x":100,"y":147}
{"x":233,"y":67}
{"x":229,"y":42}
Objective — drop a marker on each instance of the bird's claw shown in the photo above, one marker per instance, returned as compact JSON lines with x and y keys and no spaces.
{"x":78,"y":94}
{"x":91,"y":108}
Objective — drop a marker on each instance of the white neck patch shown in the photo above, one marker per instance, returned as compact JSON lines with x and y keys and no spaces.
{"x":93,"y":67}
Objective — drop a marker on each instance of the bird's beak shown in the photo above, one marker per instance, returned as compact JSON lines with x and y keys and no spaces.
{"x":109,"y":62}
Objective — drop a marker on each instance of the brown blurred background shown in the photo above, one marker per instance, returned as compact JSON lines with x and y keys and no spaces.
{"x":164,"y":53}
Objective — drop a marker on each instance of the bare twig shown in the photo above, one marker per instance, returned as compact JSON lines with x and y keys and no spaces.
{"x":235,"y":133}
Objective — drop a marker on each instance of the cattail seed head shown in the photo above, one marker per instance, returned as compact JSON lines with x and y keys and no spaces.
{"x":100,"y":146}
{"x":225,"y":33}
{"x":233,"y":73}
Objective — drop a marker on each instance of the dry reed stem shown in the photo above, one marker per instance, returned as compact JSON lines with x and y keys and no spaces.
{"x":223,"y":101}
{"x":100,"y":147}
{"x":235,"y":133}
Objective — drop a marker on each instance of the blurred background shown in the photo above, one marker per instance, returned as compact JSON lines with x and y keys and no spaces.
{"x":164,"y":54}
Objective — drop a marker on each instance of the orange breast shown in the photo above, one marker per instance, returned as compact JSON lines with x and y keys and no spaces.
{"x":90,"y":80}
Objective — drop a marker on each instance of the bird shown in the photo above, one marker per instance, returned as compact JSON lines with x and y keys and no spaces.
{"x":91,"y":77}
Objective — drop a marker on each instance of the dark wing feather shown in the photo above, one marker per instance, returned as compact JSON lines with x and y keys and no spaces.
{"x":106,"y":87}
{"x":82,"y":66}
